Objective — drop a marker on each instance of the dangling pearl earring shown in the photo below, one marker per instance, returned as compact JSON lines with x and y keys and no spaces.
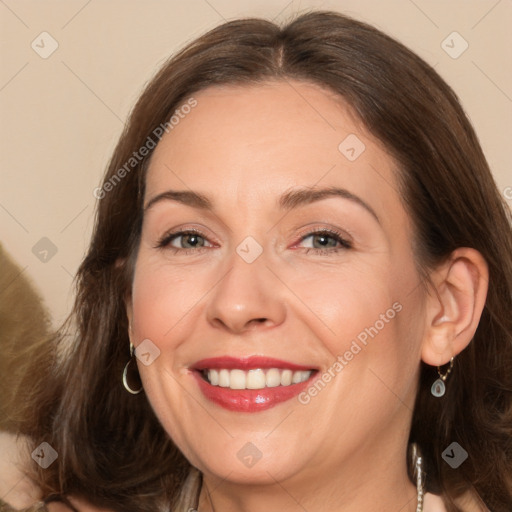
{"x":439,"y":388}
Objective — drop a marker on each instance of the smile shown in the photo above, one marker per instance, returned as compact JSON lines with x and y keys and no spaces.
{"x":250,"y":384}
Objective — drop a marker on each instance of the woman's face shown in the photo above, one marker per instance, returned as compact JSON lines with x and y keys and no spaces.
{"x":297,"y":282}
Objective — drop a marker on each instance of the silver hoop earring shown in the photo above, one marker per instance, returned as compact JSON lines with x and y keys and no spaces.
{"x":125,"y":375}
{"x":439,"y":388}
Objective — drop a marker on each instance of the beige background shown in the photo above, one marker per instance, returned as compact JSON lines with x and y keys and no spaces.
{"x":61,"y":116}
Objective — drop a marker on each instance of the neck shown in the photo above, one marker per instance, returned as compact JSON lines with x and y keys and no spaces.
{"x":374,"y":477}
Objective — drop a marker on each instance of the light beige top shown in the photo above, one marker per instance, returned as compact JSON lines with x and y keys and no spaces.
{"x":433,"y":503}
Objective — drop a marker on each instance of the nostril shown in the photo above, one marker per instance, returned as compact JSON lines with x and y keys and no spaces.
{"x":257,"y":321}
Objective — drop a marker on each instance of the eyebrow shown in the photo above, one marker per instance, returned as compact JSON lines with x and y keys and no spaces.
{"x":288,"y":201}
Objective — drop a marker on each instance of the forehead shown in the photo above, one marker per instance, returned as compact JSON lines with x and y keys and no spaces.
{"x":255,"y":141}
{"x":269,"y":118}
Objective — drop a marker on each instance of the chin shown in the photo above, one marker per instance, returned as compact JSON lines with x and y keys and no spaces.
{"x":261,"y":472}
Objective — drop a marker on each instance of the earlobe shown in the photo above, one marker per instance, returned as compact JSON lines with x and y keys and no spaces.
{"x":454,"y":307}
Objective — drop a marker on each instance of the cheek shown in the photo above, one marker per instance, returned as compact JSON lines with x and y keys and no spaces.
{"x":347,"y":302}
{"x":364,"y":318}
{"x":162,"y":297}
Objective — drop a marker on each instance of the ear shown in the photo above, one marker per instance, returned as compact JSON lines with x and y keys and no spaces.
{"x":454,"y":306}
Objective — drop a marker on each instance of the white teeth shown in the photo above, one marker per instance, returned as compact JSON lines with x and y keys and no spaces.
{"x":255,"y":379}
{"x":286,"y":377}
{"x":296,"y":377}
{"x":273,"y":378}
{"x":213,"y":377}
{"x":224,"y":378}
{"x":237,"y":379}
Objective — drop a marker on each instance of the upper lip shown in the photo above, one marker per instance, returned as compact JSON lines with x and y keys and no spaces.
{"x":247,"y":363}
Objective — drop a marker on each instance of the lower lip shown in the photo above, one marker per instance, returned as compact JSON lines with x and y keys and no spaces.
{"x":249,"y":400}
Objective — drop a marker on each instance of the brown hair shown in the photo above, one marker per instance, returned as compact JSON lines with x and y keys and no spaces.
{"x":112,"y":449}
{"x":25,"y":325}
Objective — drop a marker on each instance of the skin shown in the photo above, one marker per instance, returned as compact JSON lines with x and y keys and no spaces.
{"x":244,"y":146}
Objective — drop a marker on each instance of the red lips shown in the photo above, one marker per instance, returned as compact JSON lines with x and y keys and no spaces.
{"x":248,"y":400}
{"x":247,"y":363}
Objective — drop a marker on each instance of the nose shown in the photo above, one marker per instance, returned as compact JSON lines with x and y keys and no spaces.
{"x":246,"y":297}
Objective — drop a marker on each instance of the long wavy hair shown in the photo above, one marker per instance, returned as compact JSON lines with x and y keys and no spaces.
{"x":111,"y":448}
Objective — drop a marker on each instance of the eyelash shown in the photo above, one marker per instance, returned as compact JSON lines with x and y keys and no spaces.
{"x":164,"y":242}
{"x":345,"y":244}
